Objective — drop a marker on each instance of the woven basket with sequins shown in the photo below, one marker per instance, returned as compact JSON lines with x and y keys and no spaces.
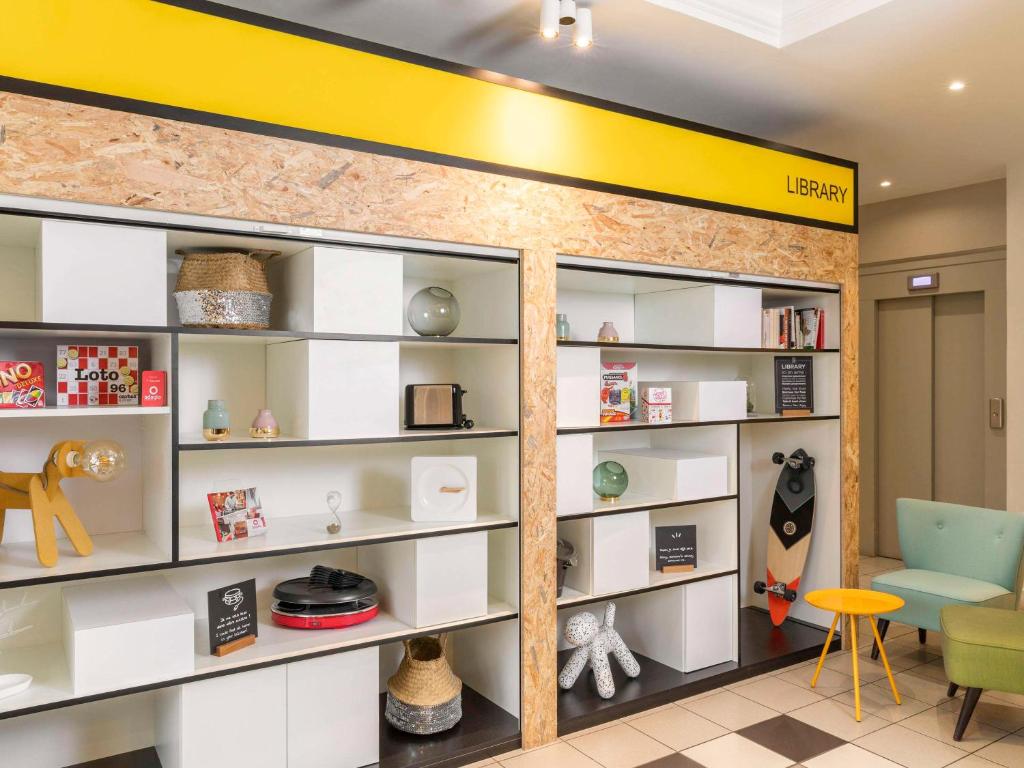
{"x":424,"y":695}
{"x":220,"y":288}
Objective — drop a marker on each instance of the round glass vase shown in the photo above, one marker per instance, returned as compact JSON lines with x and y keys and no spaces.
{"x":434,"y":311}
{"x":610,"y":480}
{"x":216,"y":426}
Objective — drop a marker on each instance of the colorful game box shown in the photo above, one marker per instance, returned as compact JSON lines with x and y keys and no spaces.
{"x":97,"y":375}
{"x":22,"y":384}
{"x":237,"y":514}
{"x":656,"y":405}
{"x":618,"y":391}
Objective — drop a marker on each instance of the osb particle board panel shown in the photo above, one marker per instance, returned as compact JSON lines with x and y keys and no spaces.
{"x":59,"y":150}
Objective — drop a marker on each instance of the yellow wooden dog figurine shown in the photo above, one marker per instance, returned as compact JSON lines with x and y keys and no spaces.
{"x":101,"y":460}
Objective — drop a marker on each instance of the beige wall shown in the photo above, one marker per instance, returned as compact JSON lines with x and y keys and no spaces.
{"x":969,"y":218}
{"x":1014,"y":324}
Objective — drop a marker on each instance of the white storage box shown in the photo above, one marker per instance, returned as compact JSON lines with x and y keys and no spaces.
{"x":707,"y":316}
{"x":574,"y":474}
{"x":668,"y":473}
{"x":430,"y":581}
{"x":620,"y":545}
{"x":119,"y":634}
{"x":324,"y":389}
{"x":337,"y":290}
{"x":235,"y":720}
{"x":579,"y":387}
{"x":707,"y":400}
{"x":97,"y":273}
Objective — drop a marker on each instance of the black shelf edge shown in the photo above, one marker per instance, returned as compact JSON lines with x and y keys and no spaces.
{"x":630,"y":426}
{"x":696,"y":348}
{"x":657,"y":505}
{"x":161,"y":684}
{"x":591,"y":599}
{"x":768,"y":282}
{"x":464,"y":434}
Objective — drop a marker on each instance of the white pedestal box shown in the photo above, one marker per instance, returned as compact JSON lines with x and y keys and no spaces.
{"x":98,"y":273}
{"x":579,"y":387}
{"x":707,"y":316}
{"x":707,"y":400}
{"x":333,"y":714}
{"x":324,"y":389}
{"x":687,"y":628}
{"x":574,"y":475}
{"x":430,"y":581}
{"x":338,"y":290}
{"x":443,"y":488}
{"x":119,"y":634}
{"x":620,"y":546}
{"x":667,"y":473}
{"x":236,"y":720}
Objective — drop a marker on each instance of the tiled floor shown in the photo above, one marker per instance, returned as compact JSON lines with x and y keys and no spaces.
{"x":778,"y":721}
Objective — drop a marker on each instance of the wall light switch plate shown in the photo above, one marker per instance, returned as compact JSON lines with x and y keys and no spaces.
{"x":444,"y":488}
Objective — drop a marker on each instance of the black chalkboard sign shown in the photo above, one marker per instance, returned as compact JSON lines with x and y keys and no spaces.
{"x":675,"y":548}
{"x":232,"y":613}
{"x":794,"y":384}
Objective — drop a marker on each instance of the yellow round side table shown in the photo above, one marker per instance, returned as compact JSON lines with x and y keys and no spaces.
{"x":854,"y":603}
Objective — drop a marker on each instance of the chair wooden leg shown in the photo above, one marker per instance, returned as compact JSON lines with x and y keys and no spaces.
{"x":970,"y":700}
{"x":883,"y":627}
{"x":951,"y":691}
{"x":922,"y":636}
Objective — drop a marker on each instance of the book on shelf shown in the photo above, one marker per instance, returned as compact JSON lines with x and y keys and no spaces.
{"x":792,"y":328}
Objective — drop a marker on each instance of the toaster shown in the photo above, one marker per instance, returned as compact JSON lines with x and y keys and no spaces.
{"x":435,"y":406}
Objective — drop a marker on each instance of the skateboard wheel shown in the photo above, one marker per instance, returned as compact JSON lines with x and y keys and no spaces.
{"x":759,"y":587}
{"x":790,"y":595}
{"x":778,"y":457}
{"x":809,"y":462}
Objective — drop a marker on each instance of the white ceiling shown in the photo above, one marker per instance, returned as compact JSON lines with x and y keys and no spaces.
{"x":871,"y":89}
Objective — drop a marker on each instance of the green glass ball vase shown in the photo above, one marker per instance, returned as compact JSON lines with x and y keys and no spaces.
{"x":610,"y":480}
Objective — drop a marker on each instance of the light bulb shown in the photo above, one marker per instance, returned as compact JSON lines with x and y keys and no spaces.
{"x":549,"y":19}
{"x":102,"y":460}
{"x":583,"y":32}
{"x":567,"y":13}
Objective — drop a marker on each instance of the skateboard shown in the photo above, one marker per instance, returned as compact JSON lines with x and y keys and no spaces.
{"x":789,"y":534}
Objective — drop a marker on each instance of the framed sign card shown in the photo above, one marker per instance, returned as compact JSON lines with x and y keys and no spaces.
{"x":232,"y":612}
{"x":794,"y":386}
{"x":675,"y":548}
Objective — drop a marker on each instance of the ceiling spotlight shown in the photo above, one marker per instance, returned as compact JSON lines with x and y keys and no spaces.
{"x":583,"y":32}
{"x":567,"y":13}
{"x":886,"y":183}
{"x":957,"y":85}
{"x":549,"y":19}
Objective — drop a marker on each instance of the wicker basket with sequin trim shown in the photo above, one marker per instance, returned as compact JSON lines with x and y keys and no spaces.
{"x":220,"y":288}
{"x":424,"y":695}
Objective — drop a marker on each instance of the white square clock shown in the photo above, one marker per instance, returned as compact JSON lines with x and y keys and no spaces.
{"x":443,"y":488}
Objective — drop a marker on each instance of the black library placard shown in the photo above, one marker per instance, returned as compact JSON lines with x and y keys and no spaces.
{"x":675,"y":546}
{"x":794,"y":384}
{"x":232,"y":612}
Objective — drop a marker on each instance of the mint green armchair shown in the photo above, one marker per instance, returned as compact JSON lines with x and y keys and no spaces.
{"x":954,"y":555}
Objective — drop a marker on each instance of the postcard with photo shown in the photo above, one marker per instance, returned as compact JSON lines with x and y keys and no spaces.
{"x":237,"y":514}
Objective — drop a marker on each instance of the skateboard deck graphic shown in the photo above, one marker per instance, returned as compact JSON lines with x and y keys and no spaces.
{"x":789,"y":534}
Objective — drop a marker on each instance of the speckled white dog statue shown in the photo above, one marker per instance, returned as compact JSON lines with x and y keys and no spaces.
{"x":594,"y":641}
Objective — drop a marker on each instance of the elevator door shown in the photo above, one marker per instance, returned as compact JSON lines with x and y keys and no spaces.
{"x":932,"y":404}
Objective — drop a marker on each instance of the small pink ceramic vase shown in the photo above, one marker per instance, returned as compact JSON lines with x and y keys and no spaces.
{"x":264,"y":425}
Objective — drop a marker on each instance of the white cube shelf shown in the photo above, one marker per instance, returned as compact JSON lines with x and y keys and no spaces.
{"x":668,"y":473}
{"x":707,"y":400}
{"x":239,"y":719}
{"x":126,"y":633}
{"x":333,"y":714}
{"x":323,"y":389}
{"x":430,"y":581}
{"x":707,"y":315}
{"x":338,"y":290}
{"x":574,"y":472}
{"x":579,"y":387}
{"x":98,"y":273}
{"x":619,"y":552}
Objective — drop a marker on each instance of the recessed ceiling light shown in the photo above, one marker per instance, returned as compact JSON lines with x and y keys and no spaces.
{"x":957,"y":85}
{"x":886,"y":183}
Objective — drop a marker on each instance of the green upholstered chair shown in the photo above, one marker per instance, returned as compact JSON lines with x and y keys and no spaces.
{"x":954,"y":555}
{"x":982,"y":649}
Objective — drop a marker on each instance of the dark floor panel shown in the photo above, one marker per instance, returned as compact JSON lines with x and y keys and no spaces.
{"x":761,"y":642}
{"x":673,"y":761}
{"x":143,"y":758}
{"x":788,"y":736}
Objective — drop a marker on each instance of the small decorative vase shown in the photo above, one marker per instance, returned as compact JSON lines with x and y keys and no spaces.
{"x":751,"y":396}
{"x":264,"y":425}
{"x":610,"y":480}
{"x":434,"y":312}
{"x":215,"y":421}
{"x":608,"y":332}
{"x":561,"y":328}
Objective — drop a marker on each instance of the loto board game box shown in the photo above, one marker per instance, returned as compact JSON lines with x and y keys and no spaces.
{"x":90,"y":374}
